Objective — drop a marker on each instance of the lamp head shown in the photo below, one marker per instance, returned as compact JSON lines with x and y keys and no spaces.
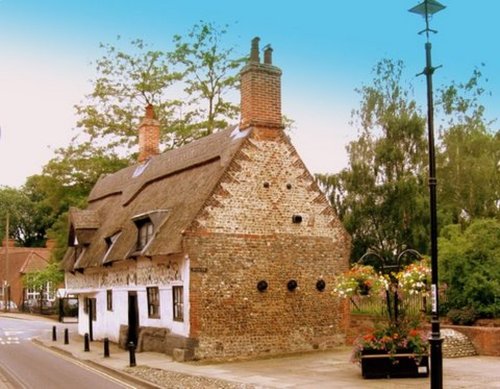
{"x":427,"y":8}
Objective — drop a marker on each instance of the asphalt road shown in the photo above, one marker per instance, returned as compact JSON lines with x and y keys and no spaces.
{"x":26,"y":365}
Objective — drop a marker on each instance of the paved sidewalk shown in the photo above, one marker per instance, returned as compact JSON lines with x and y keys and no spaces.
{"x":330,"y":369}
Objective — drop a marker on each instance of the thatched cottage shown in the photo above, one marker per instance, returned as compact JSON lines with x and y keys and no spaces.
{"x":223,"y":248}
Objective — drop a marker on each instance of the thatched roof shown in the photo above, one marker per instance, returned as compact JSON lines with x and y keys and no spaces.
{"x":169,"y":190}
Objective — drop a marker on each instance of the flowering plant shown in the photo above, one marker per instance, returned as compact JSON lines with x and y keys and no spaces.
{"x":396,"y":334}
{"x":359,"y":280}
{"x":392,"y":339}
{"x":415,"y":278}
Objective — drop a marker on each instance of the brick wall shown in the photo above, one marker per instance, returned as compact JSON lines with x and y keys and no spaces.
{"x":486,"y":340}
{"x":244,"y":235}
{"x":234,"y":319}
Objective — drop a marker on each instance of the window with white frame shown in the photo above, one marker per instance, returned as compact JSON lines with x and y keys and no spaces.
{"x":48,"y":293}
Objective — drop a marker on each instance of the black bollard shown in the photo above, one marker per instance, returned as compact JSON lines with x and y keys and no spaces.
{"x":60,"y":310}
{"x":131,"y":350}
{"x":86,"y":342}
{"x":54,"y":334}
{"x":66,"y":336}
{"x":106,"y":348}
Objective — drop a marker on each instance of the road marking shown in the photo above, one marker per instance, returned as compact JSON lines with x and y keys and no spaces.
{"x":10,"y":340}
{"x":9,"y":333}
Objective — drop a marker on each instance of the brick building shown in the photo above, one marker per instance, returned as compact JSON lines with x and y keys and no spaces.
{"x":223,"y":248}
{"x":15,"y":263}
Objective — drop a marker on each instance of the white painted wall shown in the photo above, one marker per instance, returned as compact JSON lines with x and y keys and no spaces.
{"x":108,"y":322}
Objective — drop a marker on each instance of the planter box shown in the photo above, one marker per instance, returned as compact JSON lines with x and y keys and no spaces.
{"x":378,"y":364}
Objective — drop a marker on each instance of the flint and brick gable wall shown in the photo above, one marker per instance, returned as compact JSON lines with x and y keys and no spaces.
{"x":245,"y":235}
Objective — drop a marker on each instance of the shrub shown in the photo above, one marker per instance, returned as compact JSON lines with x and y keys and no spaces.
{"x":470,"y":266}
{"x":463,"y":317}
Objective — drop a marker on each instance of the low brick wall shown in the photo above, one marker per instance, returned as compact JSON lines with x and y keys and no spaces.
{"x":486,"y":340}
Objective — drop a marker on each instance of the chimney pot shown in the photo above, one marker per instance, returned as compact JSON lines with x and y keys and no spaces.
{"x":268,"y":55}
{"x":254,"y":52}
{"x":260,"y":89}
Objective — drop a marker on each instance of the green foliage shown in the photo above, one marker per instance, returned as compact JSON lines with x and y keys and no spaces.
{"x":381,"y":197}
{"x":463,"y":317}
{"x":66,"y":181}
{"x":210,"y":73}
{"x":188,"y":88}
{"x":38,"y":280}
{"x":129,"y":77}
{"x":392,"y":339}
{"x":28,"y":218}
{"x":469,"y":156}
{"x":469,"y":264}
{"x":128,"y":80}
{"x":73,"y":172}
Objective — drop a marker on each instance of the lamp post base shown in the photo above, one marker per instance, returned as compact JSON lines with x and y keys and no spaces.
{"x":436,"y":349}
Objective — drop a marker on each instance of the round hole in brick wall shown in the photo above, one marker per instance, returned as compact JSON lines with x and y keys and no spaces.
{"x":266,"y":184}
{"x":292,"y":285}
{"x":289,"y":186}
{"x":262,"y":285}
{"x":320,"y":285}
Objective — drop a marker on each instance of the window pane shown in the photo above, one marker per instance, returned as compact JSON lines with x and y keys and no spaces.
{"x":144,"y":234}
{"x":153,"y":302}
{"x":178,"y":302}
{"x":109,"y":300}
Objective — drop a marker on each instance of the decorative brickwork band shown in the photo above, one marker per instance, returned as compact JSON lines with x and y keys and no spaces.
{"x":260,"y":91}
{"x":149,"y":135}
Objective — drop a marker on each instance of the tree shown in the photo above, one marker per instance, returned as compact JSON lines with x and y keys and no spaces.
{"x":210,"y":74}
{"x":469,"y":156}
{"x":469,"y":264}
{"x":66,"y":181}
{"x":28,"y":220}
{"x":128,"y":79}
{"x":50,"y":277}
{"x":126,"y":82}
{"x":381,"y":197}
{"x":187,"y":87}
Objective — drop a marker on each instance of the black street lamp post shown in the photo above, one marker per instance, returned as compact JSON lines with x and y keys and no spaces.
{"x":427,"y":8}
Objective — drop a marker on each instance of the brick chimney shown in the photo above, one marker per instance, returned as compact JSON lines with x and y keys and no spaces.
{"x":149,"y":135}
{"x":260,"y":91}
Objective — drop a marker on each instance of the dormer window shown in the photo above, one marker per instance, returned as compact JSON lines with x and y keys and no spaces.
{"x":110,"y":243}
{"x":147,"y":226}
{"x":110,"y":240}
{"x":145,"y":233}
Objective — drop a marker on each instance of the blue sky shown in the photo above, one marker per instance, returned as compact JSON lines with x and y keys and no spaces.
{"x":326,"y":49}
